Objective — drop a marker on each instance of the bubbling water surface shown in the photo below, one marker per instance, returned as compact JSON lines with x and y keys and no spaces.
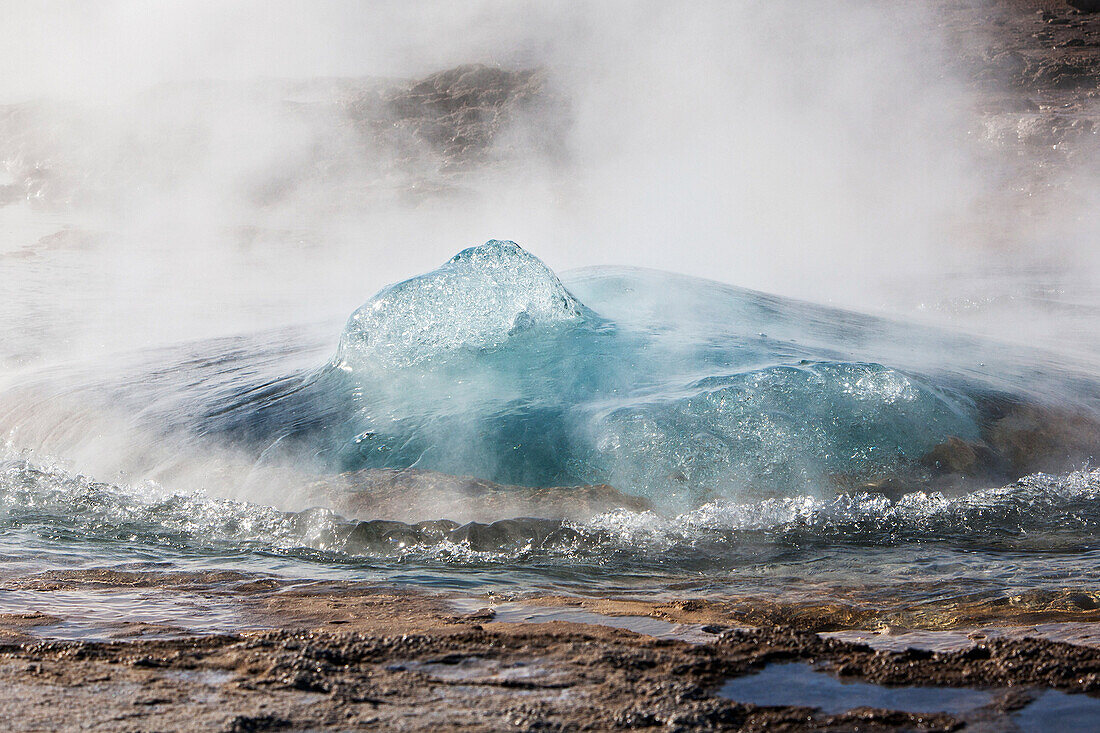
{"x":740,"y":439}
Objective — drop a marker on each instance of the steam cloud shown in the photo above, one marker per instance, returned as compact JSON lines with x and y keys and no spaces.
{"x":189,"y":169}
{"x":828,"y":151}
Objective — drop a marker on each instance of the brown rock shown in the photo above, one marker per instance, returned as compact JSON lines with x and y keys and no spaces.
{"x":1038,"y":438}
{"x":961,"y":457}
{"x":412,"y":495}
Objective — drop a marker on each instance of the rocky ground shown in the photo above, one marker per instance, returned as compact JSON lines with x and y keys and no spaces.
{"x":328,"y":656}
{"x":338,"y":656}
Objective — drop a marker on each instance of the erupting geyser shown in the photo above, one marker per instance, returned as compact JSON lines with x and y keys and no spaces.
{"x":490,"y":367}
{"x":476,"y":300}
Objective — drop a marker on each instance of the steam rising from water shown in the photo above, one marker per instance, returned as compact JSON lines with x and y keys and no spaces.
{"x":489,"y":367}
{"x":825,"y":152}
{"x":200,"y":170}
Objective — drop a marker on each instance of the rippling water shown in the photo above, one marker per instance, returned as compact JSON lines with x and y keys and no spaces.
{"x":489,"y":427}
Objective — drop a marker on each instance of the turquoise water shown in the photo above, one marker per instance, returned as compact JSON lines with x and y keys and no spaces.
{"x":715,"y":394}
{"x":746,"y":423}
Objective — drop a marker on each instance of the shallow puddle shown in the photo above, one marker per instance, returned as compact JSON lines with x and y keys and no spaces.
{"x":208,"y":677}
{"x":1080,"y":633}
{"x":474,"y":669}
{"x":1057,"y":711}
{"x":522,"y":613}
{"x":934,"y":641}
{"x":91,"y":615}
{"x":799,"y":684}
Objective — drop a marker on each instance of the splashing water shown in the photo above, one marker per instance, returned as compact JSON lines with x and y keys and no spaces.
{"x":490,"y":367}
{"x":739,"y":436}
{"x":477,"y":300}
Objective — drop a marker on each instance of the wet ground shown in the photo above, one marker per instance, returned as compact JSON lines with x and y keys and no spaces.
{"x":135,"y":648}
{"x":115,"y":655}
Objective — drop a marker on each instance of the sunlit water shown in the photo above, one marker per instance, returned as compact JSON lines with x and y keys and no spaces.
{"x":745,"y":421}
